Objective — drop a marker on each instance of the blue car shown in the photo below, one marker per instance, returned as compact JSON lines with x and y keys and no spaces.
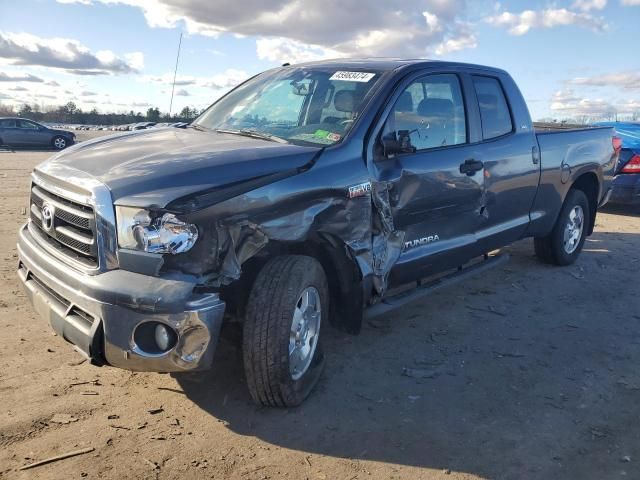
{"x":626,"y":184}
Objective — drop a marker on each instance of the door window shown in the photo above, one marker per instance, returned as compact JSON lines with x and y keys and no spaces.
{"x":429,"y":114}
{"x":25,"y":125}
{"x":8,"y":123}
{"x":494,"y":110}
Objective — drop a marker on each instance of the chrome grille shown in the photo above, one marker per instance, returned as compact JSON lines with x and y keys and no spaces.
{"x":64,"y":224}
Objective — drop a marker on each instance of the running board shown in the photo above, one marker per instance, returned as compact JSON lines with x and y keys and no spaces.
{"x":388,"y":304}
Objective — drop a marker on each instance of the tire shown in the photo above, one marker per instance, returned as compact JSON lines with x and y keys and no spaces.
{"x":60,"y":142}
{"x":276,"y":296}
{"x":564,"y":244}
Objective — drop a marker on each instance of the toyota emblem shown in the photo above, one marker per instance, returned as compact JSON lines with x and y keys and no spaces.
{"x":47,"y":217}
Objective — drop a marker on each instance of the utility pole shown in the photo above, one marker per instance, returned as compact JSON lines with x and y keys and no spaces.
{"x":175,"y":72}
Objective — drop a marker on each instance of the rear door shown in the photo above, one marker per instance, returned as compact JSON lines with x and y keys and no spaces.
{"x":9,"y":132}
{"x":508,"y":151}
{"x":436,"y":187}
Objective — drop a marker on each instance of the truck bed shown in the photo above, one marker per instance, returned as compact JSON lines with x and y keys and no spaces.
{"x":542,"y":127}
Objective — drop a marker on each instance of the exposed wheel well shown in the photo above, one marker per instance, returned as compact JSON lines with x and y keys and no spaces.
{"x":343,"y":277}
{"x":588,"y":183}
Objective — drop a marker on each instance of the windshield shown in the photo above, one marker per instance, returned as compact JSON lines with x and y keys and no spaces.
{"x":306,"y":105}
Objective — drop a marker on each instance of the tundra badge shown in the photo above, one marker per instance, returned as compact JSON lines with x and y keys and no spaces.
{"x":420,"y":241}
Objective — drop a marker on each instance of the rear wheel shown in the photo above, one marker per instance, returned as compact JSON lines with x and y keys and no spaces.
{"x":564,"y":244}
{"x":282,"y":353}
{"x":59,"y":143}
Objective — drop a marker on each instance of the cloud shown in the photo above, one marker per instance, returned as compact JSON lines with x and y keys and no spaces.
{"x":464,"y":40}
{"x":19,"y":89}
{"x":569,"y":103}
{"x":521,"y":23}
{"x":229,"y":78}
{"x":66,"y":54}
{"x":52,"y":83}
{"x":588,"y":5}
{"x":285,"y":50}
{"x":87,"y":93}
{"x":182,"y":93}
{"x":167,"y":79}
{"x":21,"y":77}
{"x":565,"y":101}
{"x":631,"y":3}
{"x":306,"y":29}
{"x":626,"y":80}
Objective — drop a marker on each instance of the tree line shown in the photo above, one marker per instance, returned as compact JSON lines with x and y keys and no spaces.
{"x":70,"y":113}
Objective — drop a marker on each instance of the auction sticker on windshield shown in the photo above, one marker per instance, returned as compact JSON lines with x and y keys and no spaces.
{"x":353,"y":76}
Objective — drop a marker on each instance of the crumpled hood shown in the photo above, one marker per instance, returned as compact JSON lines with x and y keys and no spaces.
{"x":153,"y":167}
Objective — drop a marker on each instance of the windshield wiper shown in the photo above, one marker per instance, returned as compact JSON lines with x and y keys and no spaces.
{"x":253,"y":134}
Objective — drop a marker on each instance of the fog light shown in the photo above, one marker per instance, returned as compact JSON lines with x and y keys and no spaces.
{"x":163,"y":337}
{"x":154,"y":338}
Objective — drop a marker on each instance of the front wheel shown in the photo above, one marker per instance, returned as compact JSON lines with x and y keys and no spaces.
{"x":60,"y":143}
{"x":564,"y":244}
{"x":282,"y":353}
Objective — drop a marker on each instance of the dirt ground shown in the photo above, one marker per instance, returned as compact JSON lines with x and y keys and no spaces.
{"x":530,"y":371}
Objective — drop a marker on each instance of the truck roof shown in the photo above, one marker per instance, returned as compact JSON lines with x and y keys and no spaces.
{"x":391,"y":63}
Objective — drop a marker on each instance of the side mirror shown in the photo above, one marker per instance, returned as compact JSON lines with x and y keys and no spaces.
{"x":395,"y":144}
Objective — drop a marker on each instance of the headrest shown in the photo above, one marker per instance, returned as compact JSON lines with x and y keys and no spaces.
{"x":405,"y":103}
{"x":488,"y":101}
{"x":344,"y":101}
{"x":436,"y":107}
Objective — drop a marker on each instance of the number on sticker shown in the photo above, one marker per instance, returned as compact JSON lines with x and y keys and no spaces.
{"x":353,"y":76}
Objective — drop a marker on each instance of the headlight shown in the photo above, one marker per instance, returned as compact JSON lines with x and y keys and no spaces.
{"x":165,"y":234}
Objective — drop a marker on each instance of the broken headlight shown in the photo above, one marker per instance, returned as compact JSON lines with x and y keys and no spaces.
{"x":138,"y":230}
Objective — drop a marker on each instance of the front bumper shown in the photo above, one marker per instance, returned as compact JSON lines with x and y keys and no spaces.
{"x":99,"y":314}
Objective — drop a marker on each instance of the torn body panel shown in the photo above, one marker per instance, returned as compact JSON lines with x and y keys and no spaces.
{"x":304,"y":207}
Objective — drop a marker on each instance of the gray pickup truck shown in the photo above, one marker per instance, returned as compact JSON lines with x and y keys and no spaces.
{"x":311,"y":194}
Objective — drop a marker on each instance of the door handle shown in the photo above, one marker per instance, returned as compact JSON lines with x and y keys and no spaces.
{"x":535,"y":154}
{"x":471,"y":166}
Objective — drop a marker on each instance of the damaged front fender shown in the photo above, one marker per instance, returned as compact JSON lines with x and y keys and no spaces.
{"x":294,"y":210}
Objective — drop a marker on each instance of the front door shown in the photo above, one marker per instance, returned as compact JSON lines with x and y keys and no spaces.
{"x":436,"y":187}
{"x":31,"y":134}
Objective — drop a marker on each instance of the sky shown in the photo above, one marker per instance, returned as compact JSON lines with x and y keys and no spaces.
{"x":571,"y":58}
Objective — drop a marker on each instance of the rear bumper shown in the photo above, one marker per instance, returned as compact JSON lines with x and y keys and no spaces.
{"x":626,"y":189}
{"x":99,"y":314}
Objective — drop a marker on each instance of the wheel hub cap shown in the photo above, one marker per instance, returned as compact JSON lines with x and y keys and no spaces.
{"x":573,"y":229}
{"x":305,"y":329}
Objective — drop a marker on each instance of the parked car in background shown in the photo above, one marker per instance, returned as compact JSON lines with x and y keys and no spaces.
{"x":626,"y":184}
{"x":142,"y":125}
{"x":20,"y":132}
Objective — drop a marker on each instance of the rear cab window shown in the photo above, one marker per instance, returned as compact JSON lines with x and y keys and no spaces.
{"x":495,"y":115}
